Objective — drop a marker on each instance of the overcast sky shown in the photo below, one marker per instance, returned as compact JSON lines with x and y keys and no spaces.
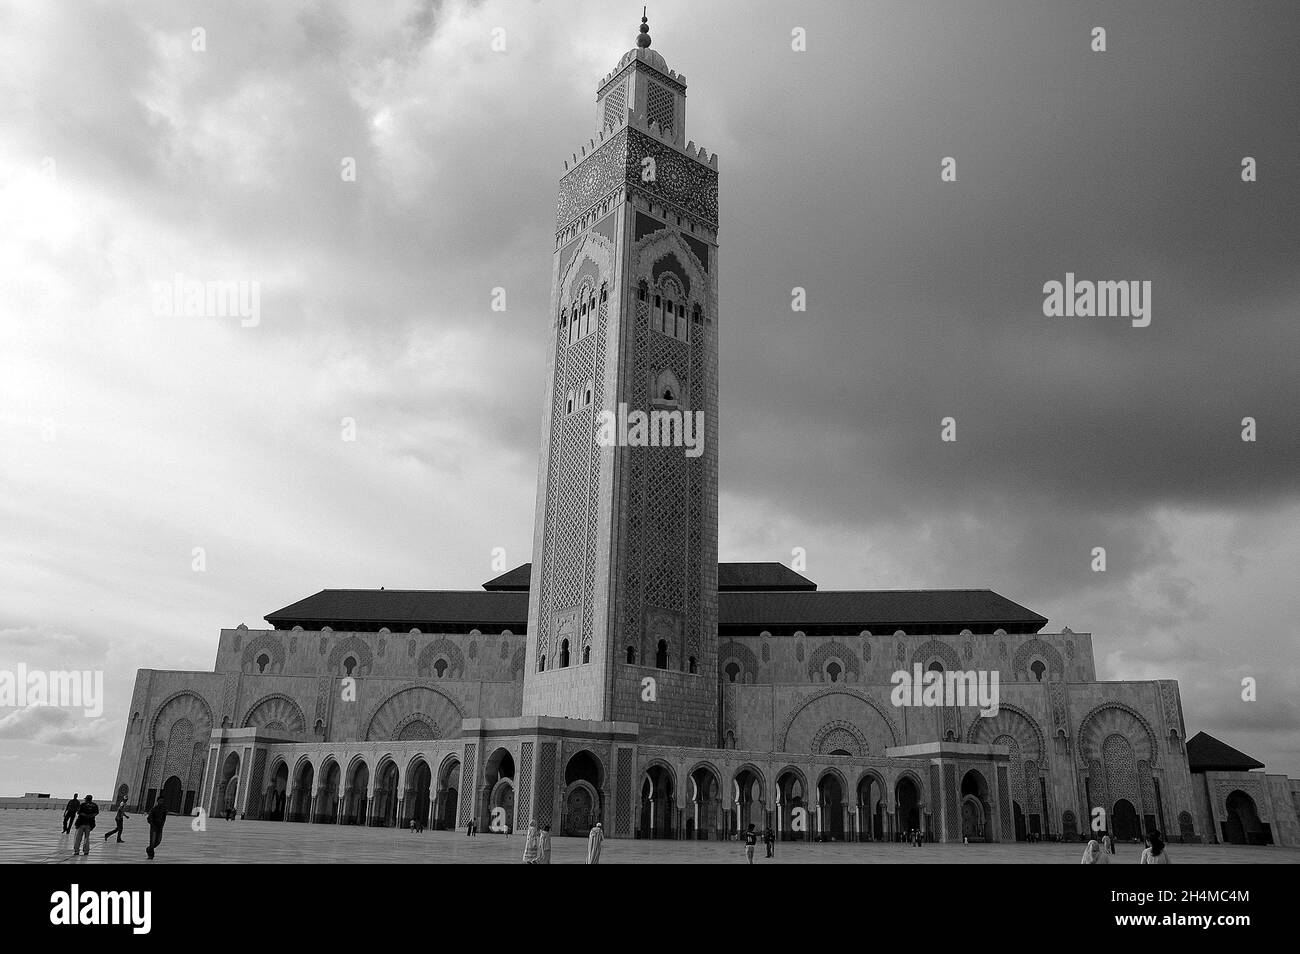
{"x":127,"y":439}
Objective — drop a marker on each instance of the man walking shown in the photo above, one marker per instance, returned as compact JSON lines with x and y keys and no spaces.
{"x":751,"y":839}
{"x":769,"y":840}
{"x":85,"y":822}
{"x":156,"y":817}
{"x":120,"y":817}
{"x":70,"y":811}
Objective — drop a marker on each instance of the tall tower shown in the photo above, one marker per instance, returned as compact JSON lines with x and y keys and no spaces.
{"x":625,"y":548}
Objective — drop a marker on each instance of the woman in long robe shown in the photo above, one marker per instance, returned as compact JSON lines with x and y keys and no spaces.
{"x":1094,"y":854}
{"x":544,"y":846}
{"x":531,"y":850}
{"x":594,"y":838}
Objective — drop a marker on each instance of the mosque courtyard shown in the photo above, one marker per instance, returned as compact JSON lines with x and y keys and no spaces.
{"x":36,"y":837}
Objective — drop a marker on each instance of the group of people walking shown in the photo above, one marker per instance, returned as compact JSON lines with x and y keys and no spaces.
{"x":1098,"y":851}
{"x":537,"y":844}
{"x":80,"y":815}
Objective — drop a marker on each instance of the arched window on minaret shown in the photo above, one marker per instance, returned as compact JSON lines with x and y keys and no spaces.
{"x":604,"y":291}
{"x":631,"y":655}
{"x":667,"y":389}
{"x":586,"y":655}
{"x":586,"y":307}
{"x":669,"y":314}
{"x":692,"y":666}
{"x":564,"y":654}
{"x":568,"y":405}
{"x":642,"y":290}
{"x":661,"y":657}
{"x":541,"y":664}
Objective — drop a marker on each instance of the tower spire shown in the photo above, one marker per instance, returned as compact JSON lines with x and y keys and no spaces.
{"x":643,"y":39}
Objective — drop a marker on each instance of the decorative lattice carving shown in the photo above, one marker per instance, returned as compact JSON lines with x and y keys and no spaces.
{"x":265,"y":643}
{"x":741,"y":654}
{"x":680,"y":182}
{"x":523,"y":801}
{"x":355,"y":647}
{"x":431,"y":706}
{"x":441,"y":648}
{"x":1121,"y":770}
{"x":951,"y":811}
{"x":616,"y":105}
{"x":275,"y":708}
{"x":795,"y":709}
{"x":659,"y":106}
{"x":827,"y":651}
{"x":468,"y":782}
{"x":1004,"y":803}
{"x":1017,"y":768}
{"x":1013,"y":721}
{"x":1116,"y":718}
{"x":623,"y":797}
{"x":839,"y":735}
{"x":181,"y":705}
{"x":933,"y":649}
{"x":1045,"y":651}
{"x":546,"y":784}
{"x":591,"y":180}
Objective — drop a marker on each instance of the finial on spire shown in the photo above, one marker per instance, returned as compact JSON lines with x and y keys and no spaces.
{"x":643,"y":40}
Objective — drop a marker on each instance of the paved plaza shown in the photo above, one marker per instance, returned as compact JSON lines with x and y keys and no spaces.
{"x":36,"y":837}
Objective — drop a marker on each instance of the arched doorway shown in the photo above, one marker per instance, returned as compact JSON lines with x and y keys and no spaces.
{"x":1124,"y":821}
{"x":976,"y":810}
{"x":415,"y":800}
{"x":830,"y":808}
{"x":871,"y":808}
{"x":303,"y":785}
{"x":225,"y":796}
{"x":747,"y":798}
{"x":448,"y":797}
{"x":498,"y":801}
{"x":273,"y":799}
{"x":792,"y":806}
{"x":658,"y":803}
{"x":1243,"y":825}
{"x":172,"y":793}
{"x":705,"y":804}
{"x":384,"y":812}
{"x":327,"y":803}
{"x":357,"y":799}
{"x":583,"y":805}
{"x":907,"y":806}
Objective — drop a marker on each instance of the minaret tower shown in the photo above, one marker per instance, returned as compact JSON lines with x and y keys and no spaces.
{"x":625,"y":548}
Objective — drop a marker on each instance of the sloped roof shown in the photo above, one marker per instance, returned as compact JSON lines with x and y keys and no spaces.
{"x":403,"y":609}
{"x":879,"y":610}
{"x":516,"y":579}
{"x":1205,"y":753}
{"x":761,"y":576}
{"x":883,"y":611}
{"x":731,"y":576}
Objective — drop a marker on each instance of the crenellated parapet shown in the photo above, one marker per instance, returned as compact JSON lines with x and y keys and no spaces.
{"x":638,"y":158}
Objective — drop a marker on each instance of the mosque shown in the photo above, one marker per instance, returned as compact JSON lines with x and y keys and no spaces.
{"x":625,"y":675}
